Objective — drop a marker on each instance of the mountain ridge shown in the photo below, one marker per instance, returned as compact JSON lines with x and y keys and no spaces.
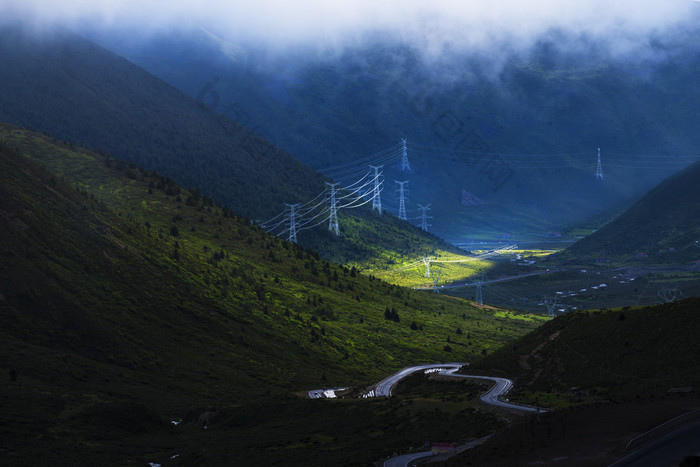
{"x":86,"y":105}
{"x":462,"y":117}
{"x":662,"y":227}
{"x":75,"y":90}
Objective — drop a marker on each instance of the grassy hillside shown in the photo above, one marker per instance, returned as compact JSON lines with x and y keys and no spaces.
{"x":661,"y":228}
{"x":64,"y":85}
{"x":129,"y":301}
{"x":622,"y":353}
{"x":614,"y":374}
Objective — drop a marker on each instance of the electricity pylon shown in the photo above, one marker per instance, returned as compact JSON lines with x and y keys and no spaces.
{"x":404,"y":157}
{"x":402,"y":193}
{"x":376,"y":193}
{"x":436,"y":280}
{"x":551,"y":305}
{"x":292,"y":222}
{"x":424,"y":217}
{"x":479,"y":297}
{"x":671,"y":295}
{"x":426,"y":261}
{"x":333,"y":219}
{"x":599,"y":169}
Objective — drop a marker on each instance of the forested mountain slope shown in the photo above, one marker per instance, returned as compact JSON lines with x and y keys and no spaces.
{"x":61,"y":84}
{"x":77,"y":91}
{"x":663,"y":227}
{"x":128,"y":301}
{"x":616,"y":353}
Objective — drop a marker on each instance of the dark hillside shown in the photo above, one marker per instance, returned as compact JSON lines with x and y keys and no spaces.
{"x":620,"y":353}
{"x":663,"y":227}
{"x":610,"y":375}
{"x":74,"y":90}
{"x":128,"y":301}
{"x":67,"y":86}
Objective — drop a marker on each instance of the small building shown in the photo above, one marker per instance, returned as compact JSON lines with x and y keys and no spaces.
{"x":641,"y":256}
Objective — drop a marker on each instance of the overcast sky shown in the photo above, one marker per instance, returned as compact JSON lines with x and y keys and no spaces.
{"x":466,"y":23}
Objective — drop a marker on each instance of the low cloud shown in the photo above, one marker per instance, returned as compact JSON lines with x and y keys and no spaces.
{"x":435,"y":25}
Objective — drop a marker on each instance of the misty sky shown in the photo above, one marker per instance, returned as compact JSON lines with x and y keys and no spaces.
{"x":434,"y":23}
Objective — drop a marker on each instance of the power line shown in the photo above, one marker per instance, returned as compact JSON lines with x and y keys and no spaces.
{"x":350,"y":169}
{"x":367,"y":186}
{"x":363,"y":161}
{"x":564,"y":160}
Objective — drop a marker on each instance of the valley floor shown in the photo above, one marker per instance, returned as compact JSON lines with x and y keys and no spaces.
{"x":578,"y":288}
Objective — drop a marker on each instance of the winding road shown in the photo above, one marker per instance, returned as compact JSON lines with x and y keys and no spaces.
{"x":491,"y":397}
{"x":384,"y":387}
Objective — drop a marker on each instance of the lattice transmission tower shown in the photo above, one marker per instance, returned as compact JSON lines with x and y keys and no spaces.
{"x":404,"y":157}
{"x":292,"y":222}
{"x":479,"y":297}
{"x":424,"y":217}
{"x":436,"y":281}
{"x":333,"y":218}
{"x":402,"y":194}
{"x":376,"y":192}
{"x":551,"y":307}
{"x":426,"y":261}
{"x":599,"y":168}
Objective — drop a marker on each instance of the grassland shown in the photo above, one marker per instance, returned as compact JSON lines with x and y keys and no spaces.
{"x":443,"y":266}
{"x":129,"y":301}
{"x":607,"y":354}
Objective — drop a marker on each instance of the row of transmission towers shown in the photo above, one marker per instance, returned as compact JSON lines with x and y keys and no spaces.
{"x":371,"y":187}
{"x":293,"y":214}
{"x":378,"y":179}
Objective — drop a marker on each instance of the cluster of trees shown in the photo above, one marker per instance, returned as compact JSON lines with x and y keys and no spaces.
{"x":392,"y":315}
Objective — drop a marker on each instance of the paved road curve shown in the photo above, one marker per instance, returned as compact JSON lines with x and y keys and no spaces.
{"x":492,"y":397}
{"x":385,"y":386}
{"x":406,"y":459}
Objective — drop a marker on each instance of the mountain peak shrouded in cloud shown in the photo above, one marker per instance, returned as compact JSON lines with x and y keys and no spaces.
{"x":435,"y":26}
